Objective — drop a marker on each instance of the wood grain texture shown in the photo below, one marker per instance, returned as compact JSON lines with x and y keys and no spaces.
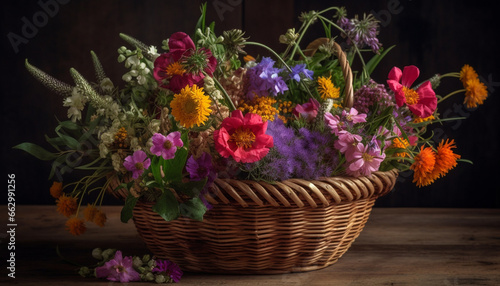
{"x":399,"y":246}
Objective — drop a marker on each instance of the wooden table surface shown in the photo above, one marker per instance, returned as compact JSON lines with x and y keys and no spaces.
{"x":399,"y":246}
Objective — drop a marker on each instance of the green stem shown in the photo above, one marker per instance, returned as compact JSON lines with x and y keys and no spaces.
{"x":450,"y":94}
{"x":228,"y":99}
{"x":450,"y":74}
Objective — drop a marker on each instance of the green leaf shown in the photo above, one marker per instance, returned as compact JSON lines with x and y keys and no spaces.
{"x":194,"y":209}
{"x":167,"y":206}
{"x":156,"y":170}
{"x":69,"y":125}
{"x":127,"y":210}
{"x":36,"y":151}
{"x":191,"y":188}
{"x":375,"y":60}
{"x":173,"y":167}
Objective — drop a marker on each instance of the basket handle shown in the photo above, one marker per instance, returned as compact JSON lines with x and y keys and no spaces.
{"x":344,"y":64}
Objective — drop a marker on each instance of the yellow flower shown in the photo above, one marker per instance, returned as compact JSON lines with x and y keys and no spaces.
{"x":175,"y":68}
{"x":420,"y":120}
{"x":67,"y":205}
{"x":400,"y":143}
{"x":423,"y":166}
{"x":56,"y":189}
{"x":120,"y":139}
{"x":75,"y":226}
{"x":475,"y":93}
{"x":467,"y":73}
{"x":326,"y":88}
{"x":191,"y":106}
{"x":261,"y":105}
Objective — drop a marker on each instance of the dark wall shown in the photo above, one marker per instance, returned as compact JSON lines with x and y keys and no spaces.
{"x":438,"y":37}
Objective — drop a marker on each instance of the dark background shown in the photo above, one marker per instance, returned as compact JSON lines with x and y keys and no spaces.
{"x":438,"y":37}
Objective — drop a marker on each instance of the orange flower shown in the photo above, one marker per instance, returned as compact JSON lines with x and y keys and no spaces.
{"x":67,"y":205}
{"x":400,"y":143}
{"x":445,"y":158}
{"x":56,"y":189}
{"x":467,"y":73}
{"x":100,"y":218}
{"x":90,"y":212}
{"x":475,"y":93}
{"x":75,"y":226}
{"x":423,"y":166}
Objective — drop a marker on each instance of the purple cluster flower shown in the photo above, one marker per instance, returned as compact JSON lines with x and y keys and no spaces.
{"x":168,"y":269}
{"x":306,"y":154}
{"x":371,"y":95}
{"x":265,"y":79}
{"x":361,"y":32}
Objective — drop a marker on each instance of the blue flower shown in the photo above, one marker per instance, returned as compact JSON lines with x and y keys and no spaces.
{"x":300,"y":69}
{"x":265,"y":79}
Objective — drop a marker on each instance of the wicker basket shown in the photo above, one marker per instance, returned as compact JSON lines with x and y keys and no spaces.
{"x":260,"y":228}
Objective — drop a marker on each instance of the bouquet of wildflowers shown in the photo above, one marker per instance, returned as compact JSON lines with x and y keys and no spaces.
{"x":203,"y":109}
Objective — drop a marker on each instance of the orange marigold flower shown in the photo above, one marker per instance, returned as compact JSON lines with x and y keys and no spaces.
{"x":423,"y":166}
{"x":100,"y":218}
{"x":467,"y":73}
{"x":445,"y":158}
{"x":76,"y":226}
{"x":56,"y":189}
{"x":90,"y":212}
{"x":475,"y":93}
{"x":67,"y":205}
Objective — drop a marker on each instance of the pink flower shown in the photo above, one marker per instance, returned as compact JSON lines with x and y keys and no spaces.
{"x":347,"y":144}
{"x":308,"y":110}
{"x":166,"y":146}
{"x":243,"y":138}
{"x":422,"y":102}
{"x":365,"y":160}
{"x":137,"y":163}
{"x":118,"y":269}
{"x":333,"y":121}
{"x":175,"y":70}
{"x":353,"y":117}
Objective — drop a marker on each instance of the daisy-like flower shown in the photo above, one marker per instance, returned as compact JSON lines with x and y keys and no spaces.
{"x":199,"y":169}
{"x":353,"y":117}
{"x":347,"y":144}
{"x":166,"y":146}
{"x":423,"y":167}
{"x":467,"y":73}
{"x":75,"y":226}
{"x":118,"y":269}
{"x":191,"y":106}
{"x":326,"y":88}
{"x":137,"y":163}
{"x":168,"y":269}
{"x":365,"y":159}
{"x":445,"y":158}
{"x":67,"y":205}
{"x":56,"y":189}
{"x":421,"y":102}
{"x":333,"y":121}
{"x":475,"y":93}
{"x":243,"y":137}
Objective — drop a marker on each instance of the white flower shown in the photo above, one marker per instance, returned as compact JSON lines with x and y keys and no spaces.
{"x":117,"y":162}
{"x":132,"y":61}
{"x":107,"y":85}
{"x":76,"y":103}
{"x":74,"y":114}
{"x":134,"y":144}
{"x":103,"y":150}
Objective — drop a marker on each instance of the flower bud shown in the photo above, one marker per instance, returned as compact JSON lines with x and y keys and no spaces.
{"x":84,"y":271}
{"x":97,"y":253}
{"x":160,"y":279}
{"x":108,"y":254}
{"x":149,"y":276}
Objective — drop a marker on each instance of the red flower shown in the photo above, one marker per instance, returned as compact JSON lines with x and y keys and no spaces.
{"x":308,"y":110}
{"x":421,"y":102}
{"x":183,"y":65}
{"x":243,"y":138}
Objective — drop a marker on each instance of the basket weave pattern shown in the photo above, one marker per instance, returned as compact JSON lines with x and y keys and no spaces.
{"x":255,"y":227}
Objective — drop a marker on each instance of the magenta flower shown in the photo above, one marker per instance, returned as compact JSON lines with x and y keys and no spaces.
{"x":333,"y":121}
{"x":169,"y":269}
{"x":353,"y":117}
{"x":308,"y":110}
{"x":199,"y":168}
{"x":118,"y":269}
{"x":421,"y":102}
{"x":137,"y":163}
{"x":347,"y":144}
{"x":166,"y":146}
{"x":365,"y":160}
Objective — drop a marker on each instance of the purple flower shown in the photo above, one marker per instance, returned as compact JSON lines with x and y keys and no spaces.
{"x":137,"y":163}
{"x":199,"y":168}
{"x":264,"y":79}
{"x":300,"y":69}
{"x":168,"y":268}
{"x":118,"y":269}
{"x":365,"y":159}
{"x":166,"y":146}
{"x":361,"y":32}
